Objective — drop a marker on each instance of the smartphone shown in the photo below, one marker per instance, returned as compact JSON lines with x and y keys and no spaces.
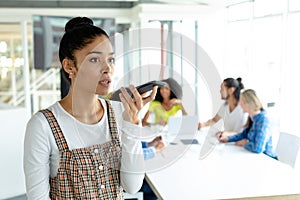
{"x":146,"y":87}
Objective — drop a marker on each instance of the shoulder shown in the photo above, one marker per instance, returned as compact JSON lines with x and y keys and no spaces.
{"x":153,"y":104}
{"x":224,"y":106}
{"x":261,"y":117}
{"x":38,"y":118}
{"x":38,"y":130}
{"x":239,"y":110}
{"x":38,"y":124}
{"x":177,"y":107}
{"x":222,"y":109}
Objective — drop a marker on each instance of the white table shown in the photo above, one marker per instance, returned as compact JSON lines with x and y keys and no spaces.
{"x":227,"y":172}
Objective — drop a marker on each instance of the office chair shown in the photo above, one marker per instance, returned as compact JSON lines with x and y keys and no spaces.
{"x":288,"y":150}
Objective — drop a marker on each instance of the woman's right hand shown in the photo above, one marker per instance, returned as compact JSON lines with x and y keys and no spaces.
{"x":162,"y":122}
{"x":222,"y":137}
{"x":132,"y":106}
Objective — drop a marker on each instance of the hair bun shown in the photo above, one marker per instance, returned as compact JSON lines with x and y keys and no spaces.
{"x":78,"y":22}
{"x":239,"y":79}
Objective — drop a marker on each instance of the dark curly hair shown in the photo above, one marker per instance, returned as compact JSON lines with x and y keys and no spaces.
{"x":175,"y":88}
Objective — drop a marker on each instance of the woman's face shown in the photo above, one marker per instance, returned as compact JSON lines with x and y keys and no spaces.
{"x":165,"y":91}
{"x":244,"y":106}
{"x":95,"y":64}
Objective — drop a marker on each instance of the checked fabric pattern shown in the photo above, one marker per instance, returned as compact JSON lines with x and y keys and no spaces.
{"x":87,"y":173}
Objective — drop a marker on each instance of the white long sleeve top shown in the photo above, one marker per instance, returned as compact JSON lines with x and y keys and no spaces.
{"x":41,"y":154}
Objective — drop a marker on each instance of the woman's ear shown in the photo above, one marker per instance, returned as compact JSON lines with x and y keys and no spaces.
{"x":68,"y":66}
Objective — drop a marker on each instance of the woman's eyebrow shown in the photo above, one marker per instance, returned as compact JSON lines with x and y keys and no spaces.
{"x":99,"y":52}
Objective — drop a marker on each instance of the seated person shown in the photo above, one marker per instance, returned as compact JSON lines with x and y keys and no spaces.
{"x":150,"y":148}
{"x":167,"y":103}
{"x":231,"y":112}
{"x":256,"y":136}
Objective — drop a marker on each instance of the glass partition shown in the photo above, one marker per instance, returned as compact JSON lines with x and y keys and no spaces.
{"x":12,"y":63}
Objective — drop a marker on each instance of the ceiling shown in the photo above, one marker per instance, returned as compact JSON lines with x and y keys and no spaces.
{"x":100,"y":3}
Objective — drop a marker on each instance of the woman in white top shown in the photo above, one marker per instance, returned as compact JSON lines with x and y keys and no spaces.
{"x":84,"y":147}
{"x":231,"y":112}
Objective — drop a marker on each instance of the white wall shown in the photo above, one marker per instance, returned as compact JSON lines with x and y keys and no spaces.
{"x":12,"y":123}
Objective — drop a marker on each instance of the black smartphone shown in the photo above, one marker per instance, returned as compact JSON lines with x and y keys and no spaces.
{"x":148,"y":86}
{"x":141,"y":89}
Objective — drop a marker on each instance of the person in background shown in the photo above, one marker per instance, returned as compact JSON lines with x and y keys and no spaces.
{"x":256,"y":136}
{"x":83,"y":147}
{"x":150,"y":148}
{"x":167,"y":103}
{"x":231,"y":111}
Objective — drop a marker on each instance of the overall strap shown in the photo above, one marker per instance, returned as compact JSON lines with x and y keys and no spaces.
{"x":56,"y":130}
{"x":112,"y":123}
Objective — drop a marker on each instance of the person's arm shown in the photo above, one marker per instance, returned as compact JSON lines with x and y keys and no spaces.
{"x":260,"y":129}
{"x":182,"y":108}
{"x":238,"y":136}
{"x":132,"y":168}
{"x":178,"y":102}
{"x":149,"y":152}
{"x":132,"y":161}
{"x":145,"y":119}
{"x":36,"y":159}
{"x":209,"y":122}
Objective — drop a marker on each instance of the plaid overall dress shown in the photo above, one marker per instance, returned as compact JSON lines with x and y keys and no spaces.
{"x":87,"y":173}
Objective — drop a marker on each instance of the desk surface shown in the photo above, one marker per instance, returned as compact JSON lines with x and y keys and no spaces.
{"x":229,"y":171}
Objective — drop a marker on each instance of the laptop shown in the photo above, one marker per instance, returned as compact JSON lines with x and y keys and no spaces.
{"x":183,"y":129}
{"x":183,"y":125}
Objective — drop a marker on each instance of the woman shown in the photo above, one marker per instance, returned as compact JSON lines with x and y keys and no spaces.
{"x":167,"y":103}
{"x":80,"y":146}
{"x":256,"y":136}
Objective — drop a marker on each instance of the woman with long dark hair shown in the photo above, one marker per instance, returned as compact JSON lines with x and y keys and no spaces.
{"x":84,"y":147}
{"x":167,"y":103}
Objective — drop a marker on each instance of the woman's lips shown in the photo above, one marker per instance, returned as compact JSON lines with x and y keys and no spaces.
{"x":105,"y":83}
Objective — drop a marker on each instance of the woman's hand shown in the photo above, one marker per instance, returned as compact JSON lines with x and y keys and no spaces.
{"x":133,"y":105}
{"x":241,"y":142}
{"x":162,"y":122}
{"x":174,"y":101}
{"x":222,"y":137}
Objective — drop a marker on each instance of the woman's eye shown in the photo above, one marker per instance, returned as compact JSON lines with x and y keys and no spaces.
{"x":111,"y":60}
{"x":94,"y":60}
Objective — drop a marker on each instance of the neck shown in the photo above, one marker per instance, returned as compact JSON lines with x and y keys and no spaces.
{"x":165,"y":101}
{"x":166,"y":104}
{"x":252,"y":113}
{"x":85,"y":108}
{"x":232,"y":102}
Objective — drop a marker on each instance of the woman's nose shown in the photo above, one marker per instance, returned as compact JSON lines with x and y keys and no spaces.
{"x":107,"y":67}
